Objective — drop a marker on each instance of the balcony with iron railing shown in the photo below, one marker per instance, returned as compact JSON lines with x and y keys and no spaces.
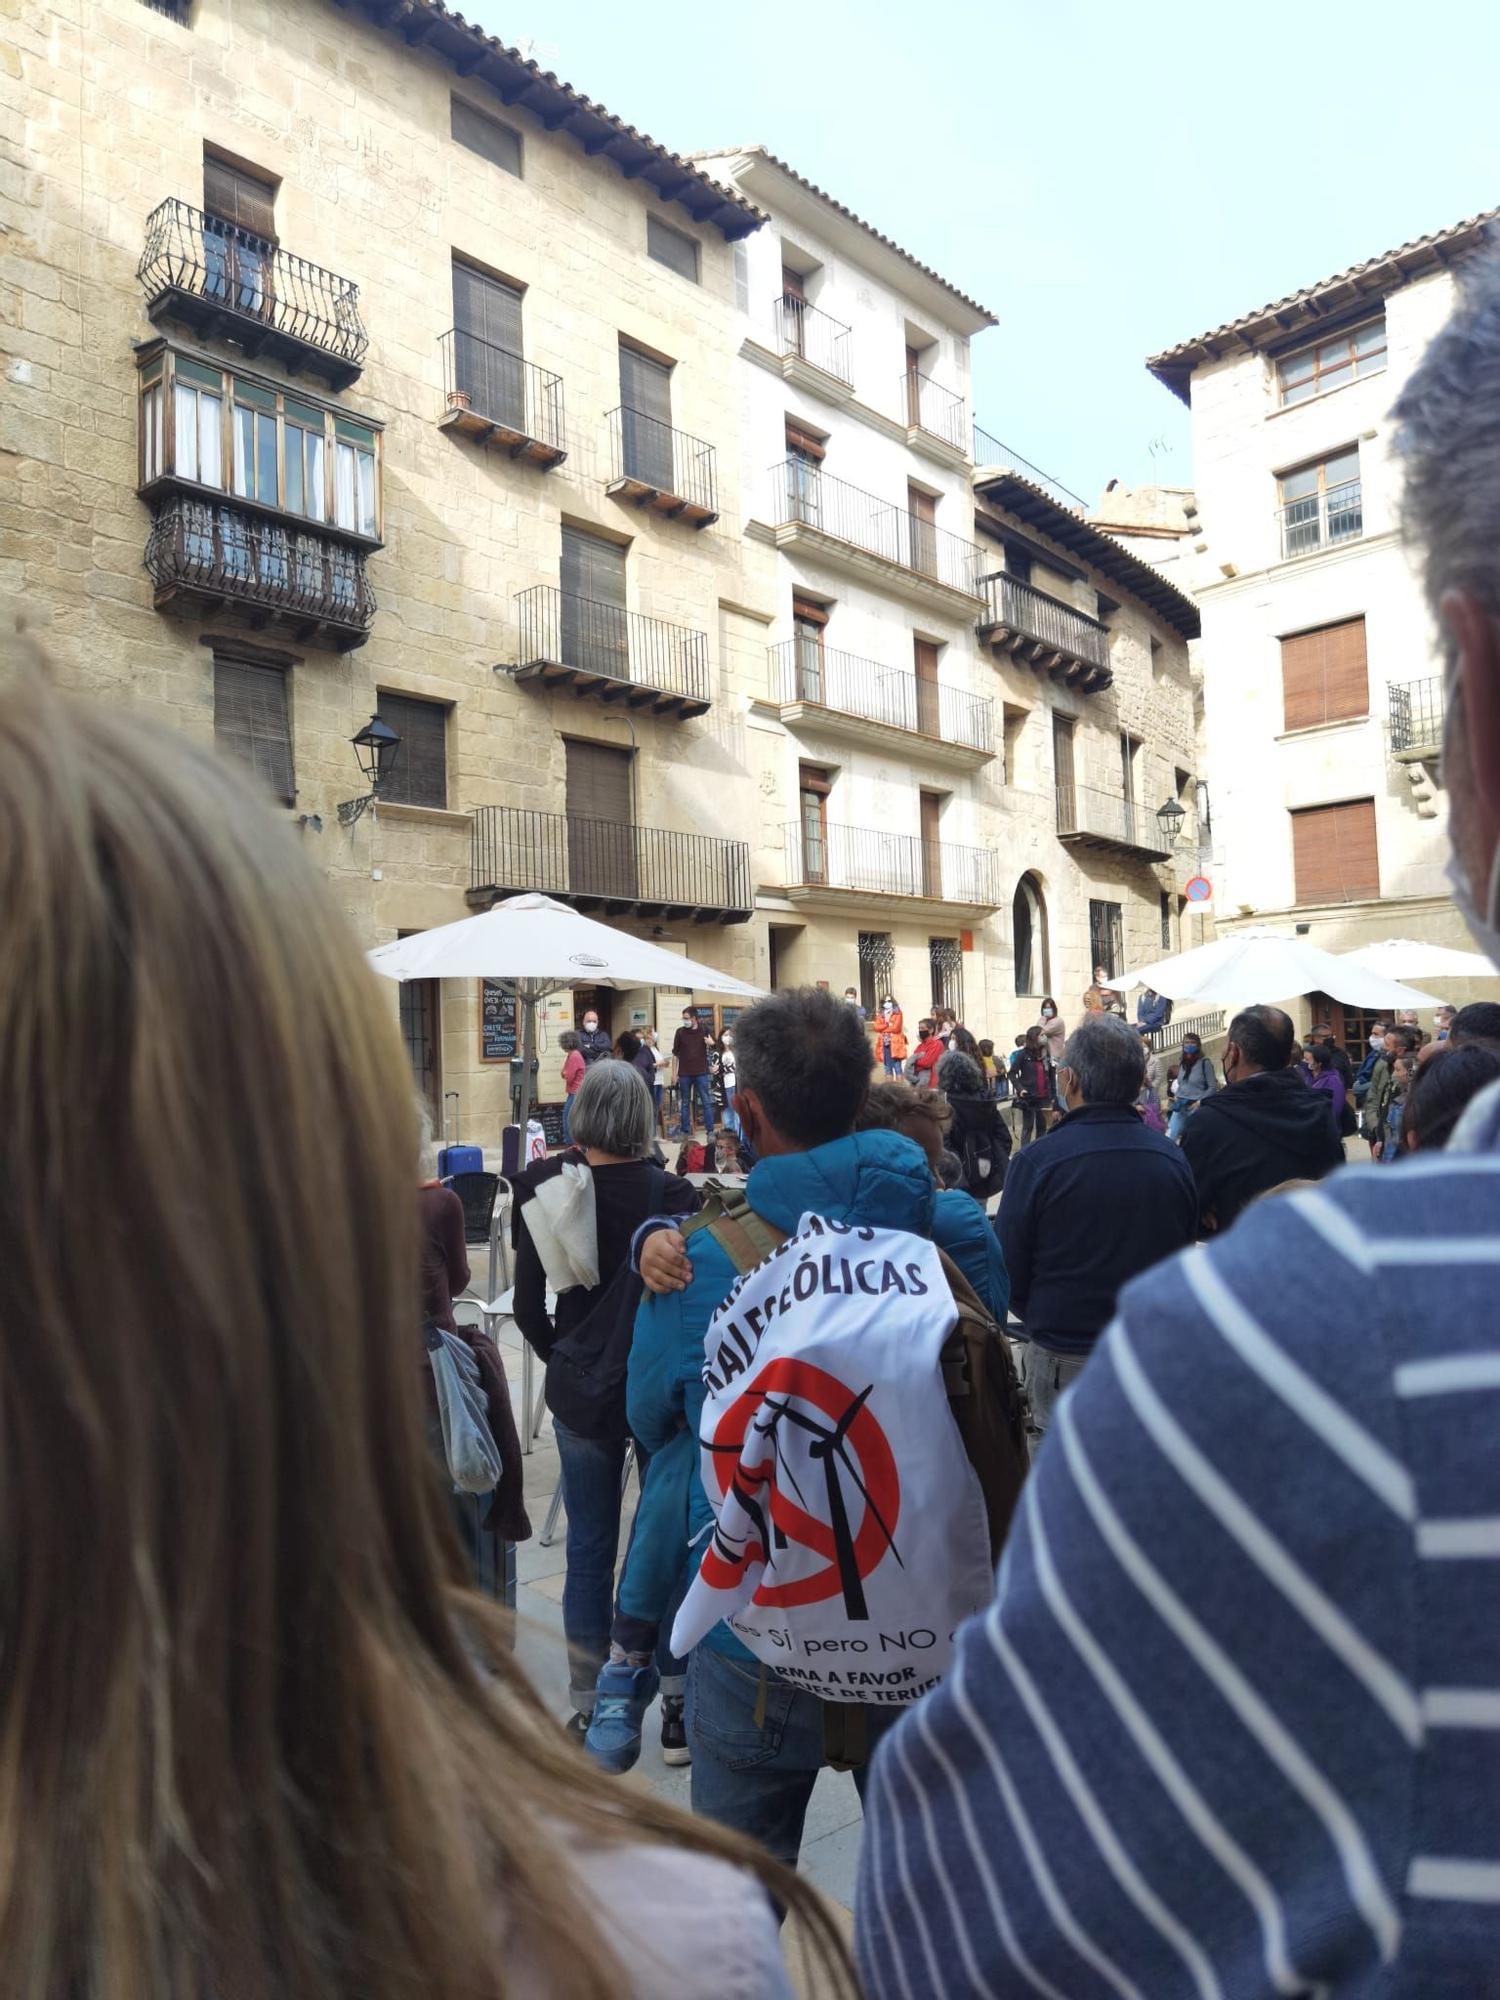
{"x":835,"y":864}
{"x":843,"y":524}
{"x":1093,"y":818}
{"x":608,"y":865}
{"x":988,"y":451}
{"x":1049,"y":636}
{"x":1417,"y":709}
{"x":653,"y":465}
{"x":861,"y":699}
{"x":1322,"y":520}
{"x":933,"y":412}
{"x":613,"y":655}
{"x":498,"y":398}
{"x":804,"y":334}
{"x":210,"y":556}
{"x":229,"y":284}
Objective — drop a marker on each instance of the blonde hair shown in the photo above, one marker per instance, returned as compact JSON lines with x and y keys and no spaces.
{"x":258,"y":1737}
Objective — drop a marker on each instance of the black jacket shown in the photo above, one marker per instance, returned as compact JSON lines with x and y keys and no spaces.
{"x":978,"y":1119}
{"x":1254,"y":1134}
{"x":1093,"y":1204}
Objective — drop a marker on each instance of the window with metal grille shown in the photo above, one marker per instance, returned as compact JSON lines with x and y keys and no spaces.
{"x":497,"y":143}
{"x":877,"y":968}
{"x":665,"y":245}
{"x":419,"y":774}
{"x":1107,"y":936}
{"x":946,"y":961}
{"x":1165,"y":901}
{"x":1324,"y":676}
{"x":252,"y":720}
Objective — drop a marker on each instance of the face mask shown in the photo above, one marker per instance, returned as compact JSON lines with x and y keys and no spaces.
{"x":1190,"y":1051}
{"x":1046,"y":1013}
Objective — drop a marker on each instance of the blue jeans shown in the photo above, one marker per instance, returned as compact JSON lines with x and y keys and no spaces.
{"x":758,"y":1776}
{"x":1178,"y":1119}
{"x":593,"y":1482}
{"x":686,"y":1085}
{"x":893,"y":1064}
{"x":567,"y":1121}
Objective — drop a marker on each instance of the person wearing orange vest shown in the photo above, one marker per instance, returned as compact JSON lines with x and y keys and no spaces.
{"x":890,"y":1038}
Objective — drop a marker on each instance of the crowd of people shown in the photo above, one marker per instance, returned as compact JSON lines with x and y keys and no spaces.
{"x":1222,"y":1722}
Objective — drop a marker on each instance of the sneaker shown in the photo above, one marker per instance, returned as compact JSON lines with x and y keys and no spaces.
{"x":576,"y":1728}
{"x":614,"y":1732}
{"x":674,"y":1743}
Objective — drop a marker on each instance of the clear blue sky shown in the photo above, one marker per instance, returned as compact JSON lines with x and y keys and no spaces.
{"x":1107,"y":177}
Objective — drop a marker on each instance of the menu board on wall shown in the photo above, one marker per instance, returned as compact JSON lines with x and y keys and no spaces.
{"x":498,"y":1040}
{"x":728,"y":1015}
{"x":551,"y":1117}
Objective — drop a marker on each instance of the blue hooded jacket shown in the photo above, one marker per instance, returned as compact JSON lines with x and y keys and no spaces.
{"x":878,"y":1179}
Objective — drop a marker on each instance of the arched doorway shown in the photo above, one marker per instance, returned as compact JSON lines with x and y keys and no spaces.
{"x":1029,"y":933}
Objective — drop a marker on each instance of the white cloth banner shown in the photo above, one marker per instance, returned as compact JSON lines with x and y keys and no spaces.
{"x":851,"y":1539}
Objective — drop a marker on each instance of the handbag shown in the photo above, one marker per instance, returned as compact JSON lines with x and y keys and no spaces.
{"x":468,"y":1443}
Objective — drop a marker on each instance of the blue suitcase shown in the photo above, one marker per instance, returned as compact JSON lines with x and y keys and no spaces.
{"x":460,"y":1160}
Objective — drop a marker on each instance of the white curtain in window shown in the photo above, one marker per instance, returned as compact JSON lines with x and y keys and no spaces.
{"x":185,"y":404}
{"x":344,"y":485}
{"x":244,"y":447}
{"x":152,"y":427}
{"x":210,"y":440}
{"x":366,"y":463}
{"x":316,"y":505}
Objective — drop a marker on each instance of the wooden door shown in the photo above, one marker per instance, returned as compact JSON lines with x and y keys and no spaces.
{"x":925,"y":659}
{"x":487,"y":360}
{"x":595,"y":629}
{"x":922,"y":509}
{"x":421,"y":1030}
{"x":793,"y":312}
{"x":1062,"y":766}
{"x":601,"y":835}
{"x":808,"y":623}
{"x":812,"y":794}
{"x":239,"y":238}
{"x":930,"y":807}
{"x":646,"y":419}
{"x":913,"y":387}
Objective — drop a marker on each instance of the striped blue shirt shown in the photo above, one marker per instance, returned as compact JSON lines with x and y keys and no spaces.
{"x":1232,"y":1726}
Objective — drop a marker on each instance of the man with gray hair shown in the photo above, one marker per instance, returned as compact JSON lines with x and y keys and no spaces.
{"x":1256,"y":1574}
{"x":1097,"y":1201}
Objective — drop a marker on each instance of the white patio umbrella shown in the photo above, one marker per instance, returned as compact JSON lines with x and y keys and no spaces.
{"x":1413,"y":958}
{"x":1244,"y":967}
{"x":531,"y":946}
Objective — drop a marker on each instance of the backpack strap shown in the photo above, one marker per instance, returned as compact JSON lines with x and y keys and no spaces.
{"x":746,"y":1238}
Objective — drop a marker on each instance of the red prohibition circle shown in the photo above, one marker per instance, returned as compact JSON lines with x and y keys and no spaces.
{"x":787,"y":1378}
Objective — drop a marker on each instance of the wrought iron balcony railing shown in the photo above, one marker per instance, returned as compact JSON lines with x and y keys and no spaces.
{"x":1321,"y":520}
{"x":1416,"y":717}
{"x":1021,"y":619}
{"x":494,"y":395}
{"x":868,"y":860}
{"x":802,"y":671}
{"x":656,"y":466}
{"x":618,"y":655}
{"x":988,"y":450}
{"x":221,"y":279}
{"x":610,"y":863}
{"x":805,"y":496}
{"x":1104,"y":819}
{"x":1176,"y":1031}
{"x":215,"y":553}
{"x":930,"y":407}
{"x":813,"y":336}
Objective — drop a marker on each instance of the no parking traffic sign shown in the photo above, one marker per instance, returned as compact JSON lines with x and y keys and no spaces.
{"x":1198,"y":889}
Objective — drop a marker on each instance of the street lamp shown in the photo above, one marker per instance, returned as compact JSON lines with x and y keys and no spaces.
{"x":375,"y":748}
{"x":1170,"y":817}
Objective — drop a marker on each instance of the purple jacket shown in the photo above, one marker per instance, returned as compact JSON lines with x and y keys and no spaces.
{"x":1332,"y":1085}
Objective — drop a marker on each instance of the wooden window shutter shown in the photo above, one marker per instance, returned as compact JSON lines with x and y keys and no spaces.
{"x":1324,"y":676}
{"x":645,"y":384}
{"x":1334,"y":855}
{"x":804,"y":444}
{"x":598,"y":782}
{"x":791,"y":283}
{"x":236,"y":197}
{"x":492,"y":141}
{"x":805,"y":612}
{"x":252,"y":720}
{"x":420,"y":773}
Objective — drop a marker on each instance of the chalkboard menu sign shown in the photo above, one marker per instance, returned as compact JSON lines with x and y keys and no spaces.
{"x":705,"y":1017}
{"x":551,"y":1116}
{"x":728,"y":1016}
{"x":497,"y":1023}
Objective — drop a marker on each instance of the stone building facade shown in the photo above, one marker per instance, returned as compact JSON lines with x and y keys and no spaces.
{"x":355,"y":366}
{"x":1323,"y":685}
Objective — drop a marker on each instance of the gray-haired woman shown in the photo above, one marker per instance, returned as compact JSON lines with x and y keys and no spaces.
{"x":614,"y":1128}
